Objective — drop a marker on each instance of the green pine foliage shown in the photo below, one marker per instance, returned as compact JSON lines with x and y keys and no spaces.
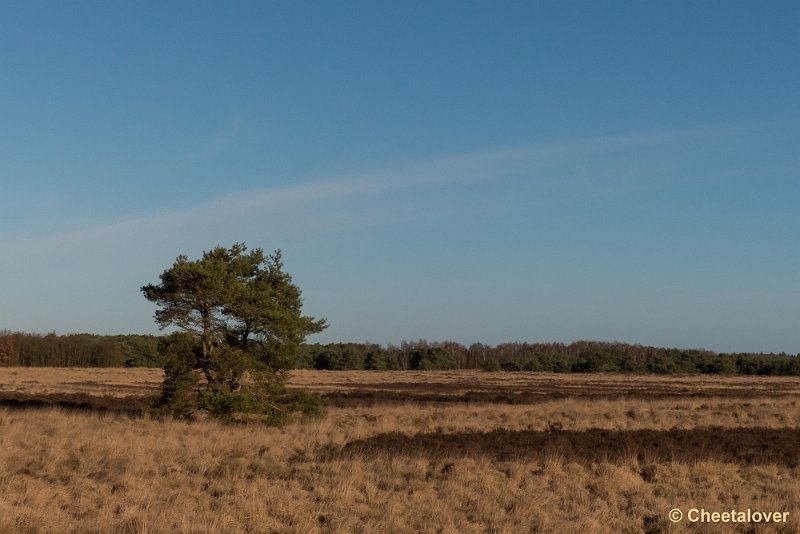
{"x":241,"y":327}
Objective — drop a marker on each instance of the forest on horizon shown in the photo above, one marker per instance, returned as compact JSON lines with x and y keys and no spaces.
{"x":141,"y":350}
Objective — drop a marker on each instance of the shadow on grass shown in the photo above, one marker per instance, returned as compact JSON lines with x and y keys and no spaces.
{"x":746,"y":446}
{"x":379,"y":394}
{"x":79,"y":402}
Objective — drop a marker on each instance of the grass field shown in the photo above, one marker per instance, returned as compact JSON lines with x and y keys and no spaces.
{"x":404,"y":452}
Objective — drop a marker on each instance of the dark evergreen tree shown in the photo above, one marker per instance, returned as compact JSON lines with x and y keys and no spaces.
{"x":243,"y":314}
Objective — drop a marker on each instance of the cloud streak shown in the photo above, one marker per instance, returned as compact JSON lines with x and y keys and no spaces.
{"x":89,"y":279}
{"x":540,"y":162}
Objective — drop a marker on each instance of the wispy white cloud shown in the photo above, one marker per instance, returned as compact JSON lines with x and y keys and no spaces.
{"x":101,"y":267}
{"x":536,"y":162}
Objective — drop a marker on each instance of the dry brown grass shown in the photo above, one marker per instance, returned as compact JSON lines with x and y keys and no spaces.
{"x":522,"y":381}
{"x":112,"y":382}
{"x":593,"y":464}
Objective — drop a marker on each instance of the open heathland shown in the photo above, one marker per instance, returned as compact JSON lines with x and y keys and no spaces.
{"x":403,"y":452}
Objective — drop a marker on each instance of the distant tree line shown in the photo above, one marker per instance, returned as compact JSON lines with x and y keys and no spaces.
{"x":78,"y":350}
{"x":134,"y":350}
{"x":577,"y":357}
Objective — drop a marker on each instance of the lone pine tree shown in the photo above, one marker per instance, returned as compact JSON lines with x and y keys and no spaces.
{"x":239,"y":322}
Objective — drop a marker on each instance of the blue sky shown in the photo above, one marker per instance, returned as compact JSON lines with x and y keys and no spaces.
{"x":468,"y":171}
